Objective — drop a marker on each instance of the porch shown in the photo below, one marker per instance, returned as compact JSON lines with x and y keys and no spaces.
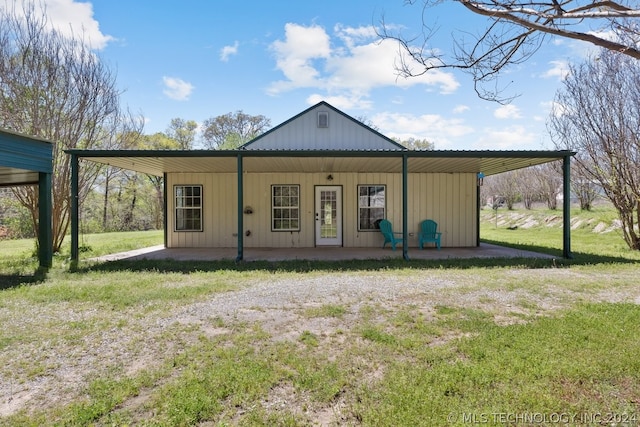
{"x":159,"y":252}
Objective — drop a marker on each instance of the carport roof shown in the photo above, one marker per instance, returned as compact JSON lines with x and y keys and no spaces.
{"x":22,"y":158}
{"x":158,"y":162}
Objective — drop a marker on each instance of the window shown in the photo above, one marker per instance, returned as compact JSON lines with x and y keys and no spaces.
{"x":285,"y":208}
{"x":188,"y":207}
{"x":371,"y":205}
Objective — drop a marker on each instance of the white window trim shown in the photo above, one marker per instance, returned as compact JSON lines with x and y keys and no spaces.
{"x":273,"y":208}
{"x":193,"y":208}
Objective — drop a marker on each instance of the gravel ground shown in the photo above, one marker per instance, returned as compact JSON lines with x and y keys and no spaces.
{"x":49,"y":372}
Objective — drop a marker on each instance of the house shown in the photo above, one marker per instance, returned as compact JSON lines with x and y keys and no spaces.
{"x":321,"y":178}
{"x":25,"y":160}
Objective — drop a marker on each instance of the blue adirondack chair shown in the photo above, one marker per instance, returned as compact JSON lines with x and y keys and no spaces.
{"x":389,"y":236}
{"x":428,"y":233}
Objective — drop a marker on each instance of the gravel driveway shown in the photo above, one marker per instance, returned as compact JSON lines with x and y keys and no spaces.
{"x":42,"y":373}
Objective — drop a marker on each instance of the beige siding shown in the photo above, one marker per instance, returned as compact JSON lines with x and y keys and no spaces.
{"x":449,"y":199}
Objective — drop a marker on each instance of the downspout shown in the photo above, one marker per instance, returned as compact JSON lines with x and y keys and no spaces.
{"x":45,"y":233}
{"x":405,"y":203}
{"x":74,"y":211}
{"x":240,"y":211}
{"x":566,"y":208}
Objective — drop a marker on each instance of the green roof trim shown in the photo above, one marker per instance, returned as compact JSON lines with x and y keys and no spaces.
{"x":506,"y":154}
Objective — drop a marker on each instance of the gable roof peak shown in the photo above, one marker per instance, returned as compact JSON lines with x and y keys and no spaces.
{"x":322,"y":127}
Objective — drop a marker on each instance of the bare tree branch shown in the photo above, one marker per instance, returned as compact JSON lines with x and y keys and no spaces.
{"x":598,"y":115}
{"x":516,"y":30}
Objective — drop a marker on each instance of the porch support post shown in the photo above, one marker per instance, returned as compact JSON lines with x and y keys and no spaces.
{"x":478,"y":214}
{"x":165,"y":212}
{"x":566,"y":207}
{"x":405,"y":204}
{"x":240,"y":211}
{"x":45,"y":233}
{"x":74,"y":210}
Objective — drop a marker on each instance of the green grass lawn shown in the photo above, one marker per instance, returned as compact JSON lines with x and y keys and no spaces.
{"x":502,"y":342}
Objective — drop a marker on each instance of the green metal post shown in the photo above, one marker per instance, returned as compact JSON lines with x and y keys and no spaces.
{"x":240,"y":210}
{"x":45,"y":233}
{"x":566,"y":208}
{"x":164,"y":208}
{"x":74,"y":210}
{"x":405,"y":208}
{"x":478,"y":213}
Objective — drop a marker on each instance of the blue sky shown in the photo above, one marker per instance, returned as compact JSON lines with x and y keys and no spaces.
{"x":197,"y":59}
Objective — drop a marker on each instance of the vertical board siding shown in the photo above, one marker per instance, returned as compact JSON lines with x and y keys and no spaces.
{"x":302,"y":133}
{"x":448,"y":199}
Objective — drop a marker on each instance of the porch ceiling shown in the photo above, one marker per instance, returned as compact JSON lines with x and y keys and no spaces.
{"x":159,"y":162}
{"x":13,"y":176}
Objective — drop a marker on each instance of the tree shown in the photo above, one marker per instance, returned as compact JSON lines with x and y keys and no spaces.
{"x":367,"y":122}
{"x":547,"y":179}
{"x":515,"y":31}
{"x":584,"y":187}
{"x":597,"y":114}
{"x":56,"y":87}
{"x":416,"y":144}
{"x":183,"y":132}
{"x":108,"y":174}
{"x":231,"y":130}
{"x":159,"y":141}
{"x":502,"y":188}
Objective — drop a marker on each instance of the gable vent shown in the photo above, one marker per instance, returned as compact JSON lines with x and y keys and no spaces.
{"x":323,"y":119}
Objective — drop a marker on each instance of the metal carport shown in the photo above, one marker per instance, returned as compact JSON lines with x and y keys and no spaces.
{"x":25,"y":160}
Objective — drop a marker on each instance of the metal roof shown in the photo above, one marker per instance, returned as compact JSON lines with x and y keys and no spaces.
{"x":158,"y":162}
{"x":22,"y":158}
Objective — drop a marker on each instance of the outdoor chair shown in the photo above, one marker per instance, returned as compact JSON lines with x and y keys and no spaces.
{"x":389,"y":236}
{"x":428,"y":233}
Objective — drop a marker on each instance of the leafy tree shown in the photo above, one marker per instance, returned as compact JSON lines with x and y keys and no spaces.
{"x":515,"y":31}
{"x":108,"y":174}
{"x":183,"y":132}
{"x":55,"y":87}
{"x":416,"y":144}
{"x":231,"y":130}
{"x":597,"y":113}
{"x":159,"y":141}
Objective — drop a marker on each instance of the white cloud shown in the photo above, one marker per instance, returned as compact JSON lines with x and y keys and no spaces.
{"x":69,"y":18}
{"x":558,"y":70}
{"x":443,"y":132}
{"x":508,"y":111}
{"x":296,"y":54}
{"x":227,"y":51}
{"x":459,"y":109}
{"x":509,"y":138}
{"x":349,"y":65}
{"x":176,"y":88}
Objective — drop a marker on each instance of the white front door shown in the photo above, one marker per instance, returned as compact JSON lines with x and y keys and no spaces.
{"x":328,"y":216}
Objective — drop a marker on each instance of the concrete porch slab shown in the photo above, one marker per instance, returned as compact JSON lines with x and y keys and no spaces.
{"x":318,"y":254}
